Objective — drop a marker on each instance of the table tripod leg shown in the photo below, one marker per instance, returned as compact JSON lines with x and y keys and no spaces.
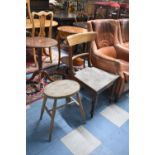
{"x":44,"y":74}
{"x":33,"y":76}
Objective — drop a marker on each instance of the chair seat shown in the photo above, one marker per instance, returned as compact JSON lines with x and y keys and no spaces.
{"x":61,"y":89}
{"x":95,"y":78}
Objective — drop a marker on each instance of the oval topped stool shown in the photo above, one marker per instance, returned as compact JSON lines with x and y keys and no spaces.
{"x":58,"y":90}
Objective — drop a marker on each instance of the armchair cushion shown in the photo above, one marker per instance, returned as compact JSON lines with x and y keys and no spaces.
{"x":122,"y":52}
{"x":107,"y":51}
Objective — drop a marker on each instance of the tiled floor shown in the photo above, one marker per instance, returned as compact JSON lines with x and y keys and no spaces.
{"x":106,"y":134}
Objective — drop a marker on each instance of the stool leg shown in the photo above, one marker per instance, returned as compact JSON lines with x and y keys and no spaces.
{"x":68,"y":99}
{"x":81,"y":107}
{"x":52,"y":119}
{"x":43,"y":107}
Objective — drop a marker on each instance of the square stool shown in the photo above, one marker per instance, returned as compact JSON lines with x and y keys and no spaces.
{"x":58,"y":90}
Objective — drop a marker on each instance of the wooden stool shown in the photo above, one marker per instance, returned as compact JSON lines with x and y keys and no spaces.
{"x":57,"y":90}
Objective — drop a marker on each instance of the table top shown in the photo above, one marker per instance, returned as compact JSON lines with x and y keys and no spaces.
{"x":64,"y":16}
{"x":95,"y":78}
{"x":71,"y":29}
{"x":81,"y":24}
{"x":61,"y":88}
{"x":37,"y":23}
{"x":40,"y":42}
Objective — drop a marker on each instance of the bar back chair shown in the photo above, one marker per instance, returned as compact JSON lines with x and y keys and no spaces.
{"x":29,"y":15}
{"x":94,"y":79}
{"x":41,"y":17}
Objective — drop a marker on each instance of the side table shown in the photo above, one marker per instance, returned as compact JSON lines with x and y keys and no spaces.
{"x":96,"y":80}
{"x":39,"y":43}
{"x":63,"y":32}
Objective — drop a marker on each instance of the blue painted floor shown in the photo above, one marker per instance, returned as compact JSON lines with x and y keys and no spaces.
{"x":109,"y":139}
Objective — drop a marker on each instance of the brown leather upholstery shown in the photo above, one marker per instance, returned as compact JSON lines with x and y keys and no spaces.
{"x":105,"y":32}
{"x":123,"y":33}
{"x":108,"y":52}
{"x":124,"y":25}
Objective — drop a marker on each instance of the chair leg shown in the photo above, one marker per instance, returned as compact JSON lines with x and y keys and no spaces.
{"x":35,"y":57}
{"x":43,"y":107}
{"x":81,"y":107}
{"x":94,"y":102}
{"x":52,"y":119}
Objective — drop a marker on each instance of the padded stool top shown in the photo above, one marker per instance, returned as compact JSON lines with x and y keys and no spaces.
{"x":61,"y":88}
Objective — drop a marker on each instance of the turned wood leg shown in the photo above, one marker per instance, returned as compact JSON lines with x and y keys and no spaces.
{"x":94,"y":102}
{"x":81,"y":107}
{"x":50,"y":54}
{"x":43,"y":107}
{"x":59,"y":50}
{"x":52,"y":119}
{"x":35,"y":57}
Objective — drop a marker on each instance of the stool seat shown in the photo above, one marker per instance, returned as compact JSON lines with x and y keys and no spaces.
{"x":61,"y":88}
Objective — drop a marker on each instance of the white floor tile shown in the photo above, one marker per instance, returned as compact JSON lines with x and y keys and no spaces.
{"x":80,"y":141}
{"x":115,"y":114}
{"x":28,"y":107}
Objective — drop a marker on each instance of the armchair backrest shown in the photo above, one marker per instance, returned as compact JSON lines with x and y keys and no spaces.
{"x":106,"y":32}
{"x":124,"y":27}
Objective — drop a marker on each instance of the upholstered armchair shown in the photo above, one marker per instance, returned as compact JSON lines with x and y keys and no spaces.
{"x":106,"y":53}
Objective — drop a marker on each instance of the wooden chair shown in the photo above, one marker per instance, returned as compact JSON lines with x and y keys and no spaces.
{"x":42,"y":15}
{"x":92,"y":78}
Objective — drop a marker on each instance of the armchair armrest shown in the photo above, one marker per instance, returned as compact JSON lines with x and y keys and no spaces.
{"x":106,"y":63}
{"x":82,"y":55}
{"x":122,"y":52}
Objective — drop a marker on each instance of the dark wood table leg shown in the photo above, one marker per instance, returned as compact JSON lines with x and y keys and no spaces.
{"x":41,"y":72}
{"x":59,"y":50}
{"x":94,"y":102}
